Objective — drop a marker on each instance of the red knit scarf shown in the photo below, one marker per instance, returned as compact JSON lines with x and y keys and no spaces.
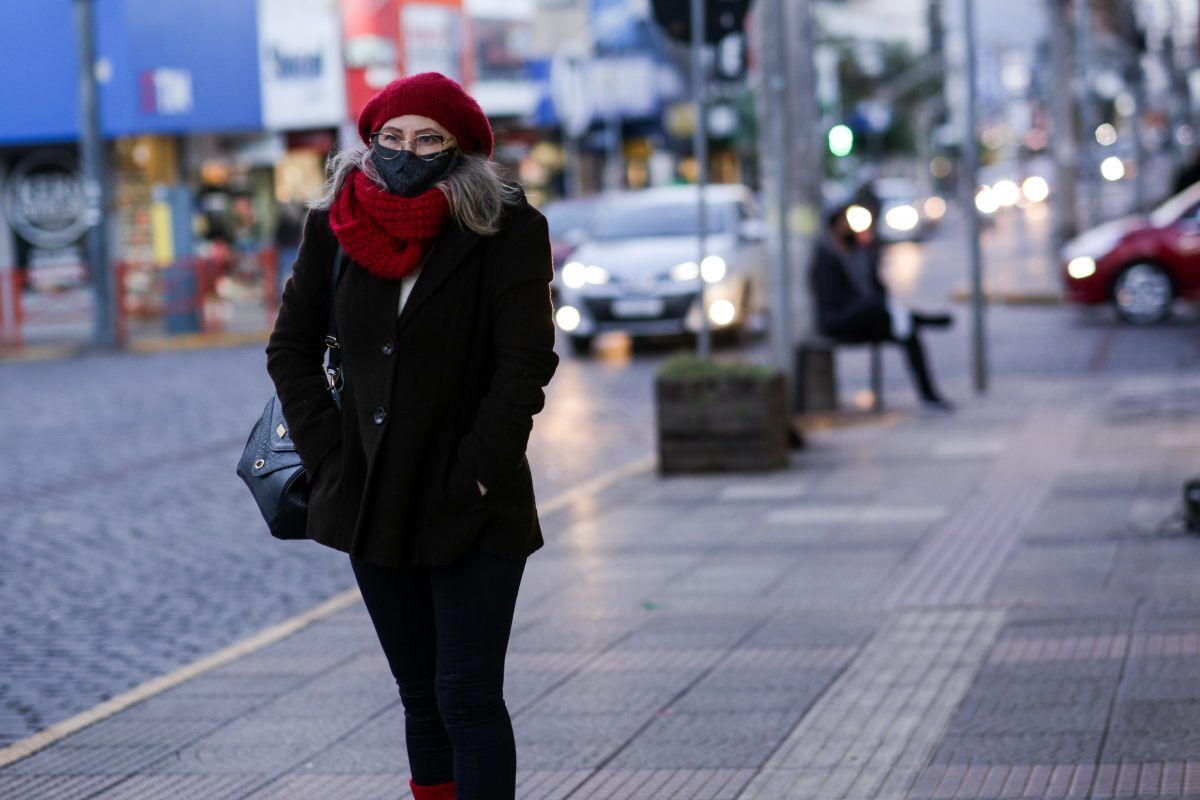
{"x":385,"y":233}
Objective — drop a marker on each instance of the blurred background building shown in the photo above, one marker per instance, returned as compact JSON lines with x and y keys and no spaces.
{"x":219,"y":114}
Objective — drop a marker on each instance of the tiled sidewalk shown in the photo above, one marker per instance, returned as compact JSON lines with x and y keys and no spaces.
{"x":1002,"y":603}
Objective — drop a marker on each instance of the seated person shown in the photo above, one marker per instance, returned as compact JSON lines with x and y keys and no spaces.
{"x":852,"y":303}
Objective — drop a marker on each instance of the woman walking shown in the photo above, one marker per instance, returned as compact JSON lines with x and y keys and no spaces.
{"x":445,"y":328}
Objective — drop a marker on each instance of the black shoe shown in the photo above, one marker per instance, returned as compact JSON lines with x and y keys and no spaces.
{"x":937,"y":405}
{"x":937,"y":320}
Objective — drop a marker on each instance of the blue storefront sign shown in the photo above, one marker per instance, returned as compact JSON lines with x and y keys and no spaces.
{"x":165,"y":66}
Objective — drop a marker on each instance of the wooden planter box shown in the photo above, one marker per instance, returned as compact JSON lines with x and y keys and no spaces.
{"x":714,"y":424}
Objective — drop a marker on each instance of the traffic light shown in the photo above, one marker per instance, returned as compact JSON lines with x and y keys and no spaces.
{"x":841,"y":140}
{"x":721,"y":18}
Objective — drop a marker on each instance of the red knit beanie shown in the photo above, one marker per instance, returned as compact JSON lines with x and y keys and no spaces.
{"x":433,"y":95}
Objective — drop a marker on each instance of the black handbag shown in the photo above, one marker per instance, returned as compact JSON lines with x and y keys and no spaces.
{"x":270,"y":465}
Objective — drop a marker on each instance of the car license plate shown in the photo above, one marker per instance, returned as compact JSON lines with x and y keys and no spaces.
{"x":638,"y":307}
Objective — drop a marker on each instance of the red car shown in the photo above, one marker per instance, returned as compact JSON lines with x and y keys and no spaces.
{"x":1140,"y":264}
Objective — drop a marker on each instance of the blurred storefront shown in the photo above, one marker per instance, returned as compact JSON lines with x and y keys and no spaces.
{"x":387,"y":38}
{"x":219,"y":114}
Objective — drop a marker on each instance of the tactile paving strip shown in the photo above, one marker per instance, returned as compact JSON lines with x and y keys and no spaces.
{"x":875,"y":727}
{"x":957,"y":564}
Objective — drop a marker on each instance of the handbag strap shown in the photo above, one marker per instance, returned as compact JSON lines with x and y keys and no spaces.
{"x":333,"y":353}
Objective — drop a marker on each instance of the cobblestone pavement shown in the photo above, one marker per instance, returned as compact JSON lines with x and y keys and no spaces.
{"x":130,"y":547}
{"x":1001,"y":603}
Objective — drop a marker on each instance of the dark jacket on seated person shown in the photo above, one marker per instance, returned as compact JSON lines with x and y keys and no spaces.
{"x":849,"y":298}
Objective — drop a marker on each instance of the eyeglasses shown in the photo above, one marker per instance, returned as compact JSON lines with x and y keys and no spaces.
{"x":427,"y":146}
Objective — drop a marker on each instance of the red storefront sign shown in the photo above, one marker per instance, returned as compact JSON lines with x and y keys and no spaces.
{"x":389,"y":38}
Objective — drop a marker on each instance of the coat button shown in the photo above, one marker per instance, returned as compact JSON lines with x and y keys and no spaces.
{"x":380,"y":415}
{"x":388,"y":347}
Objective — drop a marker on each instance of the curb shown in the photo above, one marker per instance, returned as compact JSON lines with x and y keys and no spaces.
{"x":27,"y":353}
{"x":142,"y":345}
{"x":196,"y":341}
{"x":1010,"y":298}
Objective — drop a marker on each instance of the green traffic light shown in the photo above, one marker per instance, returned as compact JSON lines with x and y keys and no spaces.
{"x":841,"y":140}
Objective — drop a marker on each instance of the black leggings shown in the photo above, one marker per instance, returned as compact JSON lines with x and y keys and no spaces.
{"x":914,"y":352}
{"x":445,"y":632}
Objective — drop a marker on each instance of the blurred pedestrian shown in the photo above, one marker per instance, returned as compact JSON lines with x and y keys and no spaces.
{"x":853,"y":305}
{"x":444,"y":324}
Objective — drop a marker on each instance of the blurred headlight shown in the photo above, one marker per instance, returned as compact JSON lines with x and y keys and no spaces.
{"x":721,"y":312}
{"x":902,"y":218}
{"x":597,"y":276}
{"x":1082,"y":267}
{"x":1006,"y":193}
{"x":687,"y":271}
{"x":574,"y":274}
{"x":713,"y":269}
{"x":985,"y":200}
{"x":935,"y":208}
{"x":1112,"y":168}
{"x":859,"y":218}
{"x":1035,"y":189}
{"x":568,"y":318}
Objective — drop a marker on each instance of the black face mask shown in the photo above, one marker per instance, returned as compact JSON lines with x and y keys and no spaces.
{"x":409,"y":175}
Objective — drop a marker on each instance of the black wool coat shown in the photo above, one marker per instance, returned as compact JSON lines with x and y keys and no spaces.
{"x":843,"y":313}
{"x":434,"y":400}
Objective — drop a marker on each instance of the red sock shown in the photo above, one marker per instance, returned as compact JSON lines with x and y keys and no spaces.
{"x":443,"y":791}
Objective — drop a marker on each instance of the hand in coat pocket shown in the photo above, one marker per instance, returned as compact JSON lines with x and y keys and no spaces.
{"x":460,"y":487}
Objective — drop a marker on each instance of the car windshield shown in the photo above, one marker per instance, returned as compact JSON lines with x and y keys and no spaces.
{"x":1175,"y":207}
{"x":640,"y":220}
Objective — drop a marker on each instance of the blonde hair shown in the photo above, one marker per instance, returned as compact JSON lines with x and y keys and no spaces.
{"x":475,"y":188}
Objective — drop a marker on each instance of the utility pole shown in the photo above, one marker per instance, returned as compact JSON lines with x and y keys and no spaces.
{"x":700,"y":146}
{"x":93,"y":160}
{"x":1135,"y":37}
{"x":774,"y":144}
{"x":802,"y":190}
{"x":970,"y":182}
{"x":1066,"y":134}
{"x":1087,"y":111}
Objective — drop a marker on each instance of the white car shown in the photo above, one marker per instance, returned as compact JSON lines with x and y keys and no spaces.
{"x":640,"y":272}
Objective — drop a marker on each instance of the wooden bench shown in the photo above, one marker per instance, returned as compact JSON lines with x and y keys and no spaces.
{"x":816,"y":372}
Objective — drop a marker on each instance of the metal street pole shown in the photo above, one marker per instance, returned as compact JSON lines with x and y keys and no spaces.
{"x":1066,"y":152}
{"x":774,"y":167}
{"x":970,"y":183}
{"x":700,"y":145}
{"x":1087,"y":115}
{"x":802,"y":214}
{"x":1135,"y":77}
{"x":93,"y":158}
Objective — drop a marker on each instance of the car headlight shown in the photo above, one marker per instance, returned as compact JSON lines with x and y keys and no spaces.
{"x":902,"y":218}
{"x":985,"y":200}
{"x":568,"y":318}
{"x":1036,"y":189}
{"x":597,"y":276}
{"x":687,"y":271}
{"x":859,"y":218}
{"x":722,"y":312}
{"x":713,"y":269}
{"x":576,"y":275}
{"x":1081,"y":267}
{"x":1006,"y":192}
